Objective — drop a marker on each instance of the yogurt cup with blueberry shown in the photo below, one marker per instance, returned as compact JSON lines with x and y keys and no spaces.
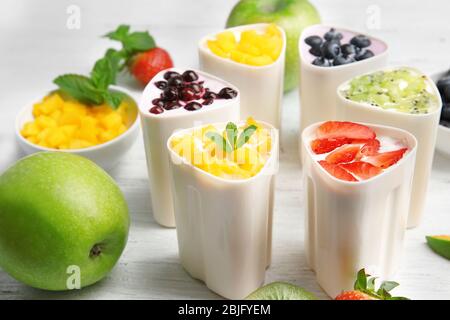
{"x":252,"y":58}
{"x":329,"y":56}
{"x":442,"y":80}
{"x":176,"y":99}
{"x":401,"y":97}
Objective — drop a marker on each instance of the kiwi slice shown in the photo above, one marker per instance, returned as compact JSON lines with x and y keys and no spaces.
{"x":281,"y":291}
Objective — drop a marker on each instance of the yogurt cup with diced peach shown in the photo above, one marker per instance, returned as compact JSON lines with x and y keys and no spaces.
{"x":58,"y":122}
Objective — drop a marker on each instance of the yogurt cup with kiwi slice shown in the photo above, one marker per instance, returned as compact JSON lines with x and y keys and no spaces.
{"x":401,"y":97}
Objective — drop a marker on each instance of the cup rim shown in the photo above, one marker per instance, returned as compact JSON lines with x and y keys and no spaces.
{"x":273,"y":154}
{"x":344,"y":66}
{"x":28,"y":108}
{"x":145,"y":113}
{"x":378,"y":109}
{"x":202,"y":46}
{"x":406,"y":157}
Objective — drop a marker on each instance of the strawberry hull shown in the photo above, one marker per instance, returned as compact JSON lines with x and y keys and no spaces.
{"x":353,"y":225}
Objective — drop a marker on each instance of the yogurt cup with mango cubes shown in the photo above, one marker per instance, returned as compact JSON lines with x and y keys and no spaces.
{"x":176,"y":99}
{"x":252,"y":58}
{"x":223,"y":188}
{"x":318,"y":81}
{"x":401,"y":97}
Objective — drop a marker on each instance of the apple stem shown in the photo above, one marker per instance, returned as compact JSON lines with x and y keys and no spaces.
{"x":96,"y":251}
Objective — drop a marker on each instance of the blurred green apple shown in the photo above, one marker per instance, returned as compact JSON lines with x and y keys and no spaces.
{"x":61,"y":216}
{"x":292,"y":15}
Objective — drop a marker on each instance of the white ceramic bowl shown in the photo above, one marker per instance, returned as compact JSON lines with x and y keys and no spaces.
{"x":443,"y":135}
{"x":106,"y":155}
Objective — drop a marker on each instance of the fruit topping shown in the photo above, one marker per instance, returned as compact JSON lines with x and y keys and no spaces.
{"x":443,"y":86}
{"x":337,"y":171}
{"x":330,"y":52}
{"x":402,"y":90}
{"x":386,"y":159}
{"x":253,"y":48}
{"x":364,"y":289}
{"x":192,"y":106}
{"x":344,"y":129}
{"x":370,"y":147}
{"x":171,"y":74}
{"x":156,"y":110}
{"x":190,"y":76}
{"x":227,"y":93}
{"x":161,"y":84}
{"x":363,"y":170}
{"x":343,"y":154}
{"x":320,"y":146}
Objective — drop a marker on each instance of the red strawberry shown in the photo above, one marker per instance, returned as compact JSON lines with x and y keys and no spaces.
{"x":364,"y":289}
{"x":145,"y":65}
{"x":336,"y":171}
{"x":320,"y":146}
{"x":370,"y":147}
{"x":361,"y":169}
{"x":344,"y":129}
{"x":386,"y":159}
{"x":343,"y":154}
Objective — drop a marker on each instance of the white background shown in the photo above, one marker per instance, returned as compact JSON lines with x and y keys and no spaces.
{"x":36,"y":46}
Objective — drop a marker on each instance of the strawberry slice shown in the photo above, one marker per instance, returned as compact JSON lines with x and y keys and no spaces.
{"x":386,"y":159}
{"x":361,"y":169}
{"x":336,"y":171}
{"x":370,"y":147}
{"x":344,"y":129}
{"x":320,"y":146}
{"x":343,"y":154}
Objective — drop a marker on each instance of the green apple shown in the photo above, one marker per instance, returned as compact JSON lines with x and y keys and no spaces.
{"x":63,"y":221}
{"x":291,"y":15}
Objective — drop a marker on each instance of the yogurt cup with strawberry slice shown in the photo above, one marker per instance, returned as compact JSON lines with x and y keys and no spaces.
{"x":401,"y":97}
{"x":329,"y":56}
{"x":252,"y":58}
{"x":223,"y":179}
{"x":176,"y":99}
{"x":357,"y":182}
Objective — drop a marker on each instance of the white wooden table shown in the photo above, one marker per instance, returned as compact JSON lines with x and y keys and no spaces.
{"x":36,"y":46}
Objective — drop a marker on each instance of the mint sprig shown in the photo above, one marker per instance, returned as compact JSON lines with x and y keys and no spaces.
{"x":233,"y":142}
{"x":132,"y":42}
{"x":366,"y":284}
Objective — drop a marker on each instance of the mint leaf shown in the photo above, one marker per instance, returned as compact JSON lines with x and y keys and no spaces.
{"x":104,"y":72}
{"x":113,"y":98}
{"x":361,"y":280}
{"x":232,"y":132}
{"x":138,"y":41}
{"x":119,"y":34}
{"x":389,"y":285}
{"x":245,"y":135}
{"x":219,"y":140}
{"x":79,"y":87}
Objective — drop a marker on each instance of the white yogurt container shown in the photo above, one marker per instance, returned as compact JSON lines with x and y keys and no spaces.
{"x":224,"y":226}
{"x":422,"y":126}
{"x":261,"y":87}
{"x":157,"y":128}
{"x":317,"y":87}
{"x":354,"y":225}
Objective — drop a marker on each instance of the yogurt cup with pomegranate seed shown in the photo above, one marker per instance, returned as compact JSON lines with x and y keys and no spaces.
{"x":401,"y":97}
{"x":317,"y":87}
{"x":223,"y":202}
{"x":176,"y":99}
{"x":252,"y":58}
{"x":357,"y":187}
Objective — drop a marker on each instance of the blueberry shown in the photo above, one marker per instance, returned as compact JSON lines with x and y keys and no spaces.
{"x":192,"y":106}
{"x":156,"y":110}
{"x":161,"y":84}
{"x":169,"y":94}
{"x":330,"y":49}
{"x":360,"y":41}
{"x":445,"y":113}
{"x":175,"y":81}
{"x":348,"y":49}
{"x":321,"y":62}
{"x":443,"y":86}
{"x":314,"y":41}
{"x":207,"y":102}
{"x":333,"y":35}
{"x":445,"y":123}
{"x":340,"y":60}
{"x":158,"y":102}
{"x":171,"y":105}
{"x":227,"y":93}
{"x":316,"y":51}
{"x":170,"y":74}
{"x":363,"y":54}
{"x":209,"y":95}
{"x":189,"y":76}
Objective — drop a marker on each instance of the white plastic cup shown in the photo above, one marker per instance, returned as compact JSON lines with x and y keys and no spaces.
{"x":422,"y":126}
{"x":317,"y":86}
{"x":355,"y":225}
{"x":224,"y":226}
{"x":261,"y":87}
{"x":158,"y":128}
